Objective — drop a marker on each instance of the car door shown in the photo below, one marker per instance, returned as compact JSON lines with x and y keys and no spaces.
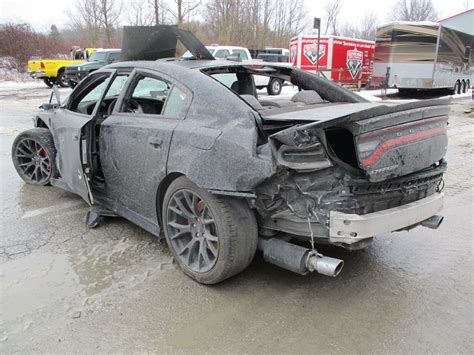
{"x":134,"y":141}
{"x":70,"y":134}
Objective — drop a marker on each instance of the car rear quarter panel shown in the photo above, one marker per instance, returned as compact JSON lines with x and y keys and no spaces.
{"x":216,"y":144}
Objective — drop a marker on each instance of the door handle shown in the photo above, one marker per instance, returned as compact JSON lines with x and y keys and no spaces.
{"x":155,"y":142}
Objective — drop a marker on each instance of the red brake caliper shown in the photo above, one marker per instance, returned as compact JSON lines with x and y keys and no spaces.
{"x":43,"y":154}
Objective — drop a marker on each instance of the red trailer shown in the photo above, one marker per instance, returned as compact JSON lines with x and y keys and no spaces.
{"x":341,"y":59}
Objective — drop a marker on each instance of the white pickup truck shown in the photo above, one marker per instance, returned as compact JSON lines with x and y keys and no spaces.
{"x":273,"y":85}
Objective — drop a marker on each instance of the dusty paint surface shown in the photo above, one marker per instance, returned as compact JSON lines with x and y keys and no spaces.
{"x":65,"y":288}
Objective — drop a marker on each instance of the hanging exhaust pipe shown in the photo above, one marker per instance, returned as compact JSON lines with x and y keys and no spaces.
{"x":298,"y":259}
{"x":433,"y":222}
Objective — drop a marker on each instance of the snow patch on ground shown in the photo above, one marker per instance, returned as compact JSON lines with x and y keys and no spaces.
{"x":9,"y":71}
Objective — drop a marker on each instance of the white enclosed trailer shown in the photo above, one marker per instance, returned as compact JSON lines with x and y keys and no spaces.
{"x":426,"y":55}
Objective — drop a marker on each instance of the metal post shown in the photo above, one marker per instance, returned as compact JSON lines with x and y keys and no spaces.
{"x":317,"y":25}
{"x":319,"y":38}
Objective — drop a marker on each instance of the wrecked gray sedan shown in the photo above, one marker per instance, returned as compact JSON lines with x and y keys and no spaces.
{"x":219,"y":172}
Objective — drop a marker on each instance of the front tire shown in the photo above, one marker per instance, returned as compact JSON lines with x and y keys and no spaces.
{"x":71,"y":83}
{"x":33,"y":155}
{"x":49,"y":82}
{"x":274,"y":87}
{"x":211,"y":237}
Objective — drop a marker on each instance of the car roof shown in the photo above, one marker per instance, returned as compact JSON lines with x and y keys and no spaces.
{"x":108,"y":50}
{"x":191,"y":64}
{"x":226,"y":47}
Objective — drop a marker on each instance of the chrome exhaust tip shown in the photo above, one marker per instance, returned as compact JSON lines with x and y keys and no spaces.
{"x":325,"y":265}
{"x":433,"y":222}
{"x":298,"y":259}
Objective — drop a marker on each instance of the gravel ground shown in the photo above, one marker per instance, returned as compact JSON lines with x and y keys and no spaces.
{"x":65,"y":288}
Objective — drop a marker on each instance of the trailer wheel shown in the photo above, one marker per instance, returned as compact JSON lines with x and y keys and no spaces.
{"x":464,"y":87}
{"x":468,"y":85}
{"x":457,"y":88}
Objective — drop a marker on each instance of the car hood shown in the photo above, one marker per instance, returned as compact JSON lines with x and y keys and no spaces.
{"x":76,"y":65}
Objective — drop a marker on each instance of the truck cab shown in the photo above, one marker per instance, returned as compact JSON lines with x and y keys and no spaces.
{"x":76,"y":72}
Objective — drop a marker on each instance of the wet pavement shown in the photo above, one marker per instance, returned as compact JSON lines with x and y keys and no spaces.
{"x":66,"y":288}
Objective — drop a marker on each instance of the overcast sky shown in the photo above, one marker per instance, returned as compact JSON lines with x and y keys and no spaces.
{"x":43,"y":13}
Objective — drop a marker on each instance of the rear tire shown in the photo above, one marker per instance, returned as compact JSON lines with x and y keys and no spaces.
{"x":61,"y":80}
{"x":211,"y":237}
{"x":274,"y":87}
{"x":49,"y":82}
{"x":33,"y":155}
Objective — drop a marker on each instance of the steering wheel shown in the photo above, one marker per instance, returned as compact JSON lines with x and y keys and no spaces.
{"x":134,"y":107}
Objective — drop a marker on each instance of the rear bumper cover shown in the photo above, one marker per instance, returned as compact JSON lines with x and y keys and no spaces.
{"x":38,"y":74}
{"x":351,"y":228}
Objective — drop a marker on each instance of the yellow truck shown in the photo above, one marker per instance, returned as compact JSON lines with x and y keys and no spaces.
{"x":52,"y":70}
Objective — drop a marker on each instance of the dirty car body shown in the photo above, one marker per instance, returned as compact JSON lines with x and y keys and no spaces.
{"x":324,"y":167}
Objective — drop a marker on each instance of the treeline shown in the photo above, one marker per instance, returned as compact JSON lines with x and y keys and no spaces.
{"x":98,"y":23}
{"x":248,"y":23}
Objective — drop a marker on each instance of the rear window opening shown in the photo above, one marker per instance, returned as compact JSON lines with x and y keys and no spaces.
{"x":342,"y":144}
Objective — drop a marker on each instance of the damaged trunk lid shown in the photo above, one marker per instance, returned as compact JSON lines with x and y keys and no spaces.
{"x":383,"y":141}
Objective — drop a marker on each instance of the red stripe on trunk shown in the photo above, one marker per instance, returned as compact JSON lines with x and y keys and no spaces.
{"x":398,"y":141}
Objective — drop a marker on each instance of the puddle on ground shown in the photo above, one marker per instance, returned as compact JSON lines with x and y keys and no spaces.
{"x":50,"y":285}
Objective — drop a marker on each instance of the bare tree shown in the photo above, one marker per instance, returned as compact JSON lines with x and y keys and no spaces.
{"x":97,"y":18}
{"x":85,"y":18}
{"x":160,"y":11}
{"x":255,"y":23}
{"x":19,"y":42}
{"x":365,"y":30}
{"x":140,"y":14}
{"x":414,"y":10}
{"x":184,"y":9}
{"x":109,"y":15}
{"x":332,"y":10}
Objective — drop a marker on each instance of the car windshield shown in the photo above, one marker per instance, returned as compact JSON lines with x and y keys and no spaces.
{"x":98,"y":57}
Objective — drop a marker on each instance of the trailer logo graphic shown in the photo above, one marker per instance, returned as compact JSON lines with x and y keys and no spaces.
{"x":310,"y":51}
{"x":354,"y":62}
{"x":293,"y":51}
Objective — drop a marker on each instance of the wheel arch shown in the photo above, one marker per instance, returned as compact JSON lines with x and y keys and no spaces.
{"x":161,"y":191}
{"x":40,"y":123}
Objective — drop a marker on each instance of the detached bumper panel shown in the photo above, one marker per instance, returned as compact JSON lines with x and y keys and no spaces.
{"x":351,"y":228}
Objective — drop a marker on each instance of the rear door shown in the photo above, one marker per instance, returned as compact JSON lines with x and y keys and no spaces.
{"x":69,"y":128}
{"x":134,"y":141}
